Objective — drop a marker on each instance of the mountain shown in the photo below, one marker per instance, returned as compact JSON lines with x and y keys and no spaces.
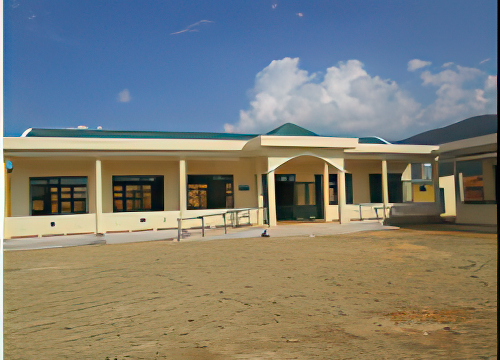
{"x":468,"y":128}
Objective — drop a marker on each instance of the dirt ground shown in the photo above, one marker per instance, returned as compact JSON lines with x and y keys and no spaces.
{"x":400,"y":294}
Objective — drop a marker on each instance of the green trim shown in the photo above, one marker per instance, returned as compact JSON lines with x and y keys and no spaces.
{"x":115,"y":134}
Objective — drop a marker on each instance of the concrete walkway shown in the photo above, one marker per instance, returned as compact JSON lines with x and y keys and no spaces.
{"x":297,"y":229}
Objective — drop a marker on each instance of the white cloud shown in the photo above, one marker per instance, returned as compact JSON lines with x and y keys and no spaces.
{"x":124,"y":96}
{"x":274,"y":6}
{"x":491,"y":82}
{"x":300,"y":14}
{"x":457,"y":97}
{"x":447,"y":64}
{"x":192,"y":27}
{"x":417,"y":64}
{"x":346,"y":100}
{"x":485,"y":60}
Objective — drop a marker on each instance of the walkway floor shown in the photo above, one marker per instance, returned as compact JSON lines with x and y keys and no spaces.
{"x":282,"y":230}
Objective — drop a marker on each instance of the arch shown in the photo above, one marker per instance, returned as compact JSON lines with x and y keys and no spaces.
{"x":337,"y":166}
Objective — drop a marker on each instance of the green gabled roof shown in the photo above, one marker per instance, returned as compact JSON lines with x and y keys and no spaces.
{"x":290,"y":129}
{"x":115,"y":134}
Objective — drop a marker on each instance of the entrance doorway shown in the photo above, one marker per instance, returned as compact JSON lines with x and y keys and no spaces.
{"x":298,"y":200}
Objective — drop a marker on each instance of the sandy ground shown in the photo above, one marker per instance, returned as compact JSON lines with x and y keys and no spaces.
{"x":399,"y":294}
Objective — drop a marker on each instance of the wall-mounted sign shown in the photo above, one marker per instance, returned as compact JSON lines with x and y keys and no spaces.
{"x":243,"y":187}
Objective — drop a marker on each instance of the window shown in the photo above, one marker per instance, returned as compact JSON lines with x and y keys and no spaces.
{"x":305,"y":193}
{"x":137,"y":193}
{"x":58,"y":195}
{"x":348,"y":189}
{"x":333,"y":189}
{"x":477,"y":180}
{"x":394,"y":184}
{"x":420,"y":171}
{"x":210,"y":192}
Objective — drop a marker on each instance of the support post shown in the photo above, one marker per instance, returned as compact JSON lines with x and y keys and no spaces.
{"x":225,"y":225}
{"x":182,"y":188}
{"x":385,"y":188}
{"x":179,"y":229}
{"x":98,"y":198}
{"x":343,"y":214}
{"x":326,"y":191}
{"x":202,"y":226}
{"x":271,"y":198}
{"x":7,"y":192}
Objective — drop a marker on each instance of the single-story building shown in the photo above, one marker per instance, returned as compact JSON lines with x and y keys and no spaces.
{"x":467,"y":168}
{"x":72,"y":181}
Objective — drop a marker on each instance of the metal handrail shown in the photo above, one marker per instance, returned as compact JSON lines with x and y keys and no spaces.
{"x":223,"y":214}
{"x":382,"y":206}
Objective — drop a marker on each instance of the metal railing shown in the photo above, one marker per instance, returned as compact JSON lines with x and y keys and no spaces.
{"x":234,"y":218}
{"x":375,"y":207}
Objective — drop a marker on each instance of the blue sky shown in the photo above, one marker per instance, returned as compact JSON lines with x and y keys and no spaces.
{"x":353,"y":68}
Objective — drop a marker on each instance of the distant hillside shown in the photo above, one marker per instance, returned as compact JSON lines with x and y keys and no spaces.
{"x":468,"y":128}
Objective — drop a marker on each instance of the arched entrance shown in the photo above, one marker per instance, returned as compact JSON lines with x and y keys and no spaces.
{"x":301,"y":190}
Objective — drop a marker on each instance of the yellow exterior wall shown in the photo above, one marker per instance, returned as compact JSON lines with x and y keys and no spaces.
{"x":423,"y":196}
{"x":24,"y":169}
{"x":304,"y":168}
{"x":361,"y":169}
{"x":243,"y":171}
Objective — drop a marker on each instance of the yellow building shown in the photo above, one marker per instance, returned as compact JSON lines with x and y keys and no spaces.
{"x":71,"y":181}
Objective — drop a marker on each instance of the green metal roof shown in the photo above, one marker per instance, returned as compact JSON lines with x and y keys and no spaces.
{"x":372,"y":140}
{"x":115,"y":134}
{"x":290,"y":129}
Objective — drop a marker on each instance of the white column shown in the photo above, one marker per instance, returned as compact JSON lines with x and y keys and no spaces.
{"x":99,"y":228}
{"x":343,"y":213}
{"x":271,"y":198}
{"x":7,"y":194}
{"x":385,"y":189}
{"x":326,"y":191}
{"x":182,"y":188}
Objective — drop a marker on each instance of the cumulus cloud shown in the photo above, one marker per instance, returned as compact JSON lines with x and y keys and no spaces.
{"x":124,"y":96}
{"x":457,"y":97}
{"x":192,"y":27}
{"x":447,"y":64}
{"x":491,"y":82}
{"x":417,"y":64}
{"x":346,"y":100}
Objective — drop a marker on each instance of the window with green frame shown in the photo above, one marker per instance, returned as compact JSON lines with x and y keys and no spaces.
{"x":58,"y":195}
{"x":333,"y":189}
{"x":210,"y":192}
{"x":137,"y":193}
